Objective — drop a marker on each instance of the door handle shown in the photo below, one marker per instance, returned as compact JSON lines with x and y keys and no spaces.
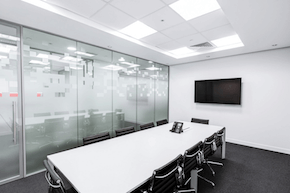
{"x":14,"y":121}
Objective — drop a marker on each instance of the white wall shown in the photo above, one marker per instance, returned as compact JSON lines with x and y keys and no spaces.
{"x":263,"y":118}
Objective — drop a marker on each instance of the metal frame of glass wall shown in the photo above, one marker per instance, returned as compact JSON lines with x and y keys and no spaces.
{"x":71,"y":90}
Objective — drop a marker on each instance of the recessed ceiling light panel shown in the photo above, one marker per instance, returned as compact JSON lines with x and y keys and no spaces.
{"x":84,"y":53}
{"x":112,"y":67}
{"x":152,"y":68}
{"x":71,"y":48}
{"x":182,"y":51}
{"x":230,"y":40}
{"x":38,"y":62}
{"x":189,"y":9}
{"x":138,"y":30}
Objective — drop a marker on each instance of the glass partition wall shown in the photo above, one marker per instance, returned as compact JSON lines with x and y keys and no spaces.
{"x":74,"y":90}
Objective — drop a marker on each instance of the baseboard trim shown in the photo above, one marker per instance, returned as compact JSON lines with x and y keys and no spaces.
{"x":259,"y":146}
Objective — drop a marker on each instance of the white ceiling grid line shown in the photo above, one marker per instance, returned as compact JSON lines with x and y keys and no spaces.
{"x":229,"y":18}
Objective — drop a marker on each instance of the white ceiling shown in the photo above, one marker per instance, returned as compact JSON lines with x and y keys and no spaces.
{"x":260,"y":24}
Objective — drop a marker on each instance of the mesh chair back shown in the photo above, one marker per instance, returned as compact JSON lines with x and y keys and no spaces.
{"x":202,"y":121}
{"x":80,"y":111}
{"x":191,"y":159}
{"x":54,"y":181}
{"x":147,"y":126}
{"x":209,"y":146}
{"x":124,"y":131}
{"x":219,"y":137}
{"x":164,"y":179}
{"x":41,"y":114}
{"x":96,"y":138}
{"x":162,"y":122}
{"x":61,"y":113}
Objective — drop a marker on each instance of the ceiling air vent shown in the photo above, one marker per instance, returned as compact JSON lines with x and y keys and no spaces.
{"x":203,"y":45}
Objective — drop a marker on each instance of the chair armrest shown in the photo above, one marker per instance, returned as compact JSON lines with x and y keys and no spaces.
{"x":184,"y":191}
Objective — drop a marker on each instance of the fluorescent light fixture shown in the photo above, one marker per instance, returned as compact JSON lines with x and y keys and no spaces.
{"x":38,"y":62}
{"x":71,"y":59}
{"x":113,"y":67}
{"x":150,"y":62}
{"x":152,"y":68}
{"x":2,"y":56}
{"x":42,"y":56}
{"x":235,"y":39}
{"x":182,"y":51}
{"x":9,"y":37}
{"x":130,"y":64}
{"x":5,"y":50}
{"x":189,"y":9}
{"x":71,"y":48}
{"x":131,"y":72}
{"x":121,"y":59}
{"x":84,"y":53}
{"x":138,"y":30}
{"x":76,"y":68}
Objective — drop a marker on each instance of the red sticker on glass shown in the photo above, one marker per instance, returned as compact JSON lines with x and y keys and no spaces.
{"x":13,"y":94}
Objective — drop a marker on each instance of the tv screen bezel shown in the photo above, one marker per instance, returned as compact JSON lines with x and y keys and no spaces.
{"x":218,"y":80}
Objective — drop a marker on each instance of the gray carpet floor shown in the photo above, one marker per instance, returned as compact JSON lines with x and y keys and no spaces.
{"x":245,"y":170}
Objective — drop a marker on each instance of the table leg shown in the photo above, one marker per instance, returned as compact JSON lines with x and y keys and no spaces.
{"x":223,"y":149}
{"x":194,"y":179}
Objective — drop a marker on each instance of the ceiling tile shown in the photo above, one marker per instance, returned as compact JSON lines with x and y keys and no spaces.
{"x":112,"y":17}
{"x":169,"y":17}
{"x":192,"y":40}
{"x":219,"y":32}
{"x":180,"y":30}
{"x":168,"y":2}
{"x":156,"y":39}
{"x":170,"y":45}
{"x":139,"y":8}
{"x":209,"y":21}
{"x":84,"y":7}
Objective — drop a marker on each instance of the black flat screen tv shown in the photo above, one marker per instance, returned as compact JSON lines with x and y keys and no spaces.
{"x":221,"y":91}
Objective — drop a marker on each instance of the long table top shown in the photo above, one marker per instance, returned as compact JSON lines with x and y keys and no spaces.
{"x":121,"y":163}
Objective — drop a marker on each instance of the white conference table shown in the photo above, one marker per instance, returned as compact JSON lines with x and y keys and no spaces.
{"x":122,"y":163}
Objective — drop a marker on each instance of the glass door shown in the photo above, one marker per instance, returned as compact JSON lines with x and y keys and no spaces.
{"x":10,"y":104}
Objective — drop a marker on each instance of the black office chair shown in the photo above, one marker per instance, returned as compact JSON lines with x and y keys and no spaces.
{"x":162,"y":122}
{"x":96,"y":138}
{"x":55,"y":182}
{"x":62,"y":113}
{"x":219,"y":138}
{"x":202,"y":121}
{"x":80,"y":111}
{"x":42,"y":114}
{"x":169,"y":178}
{"x":142,"y":188}
{"x":96,"y":124}
{"x":147,"y":126}
{"x":192,"y":160}
{"x":124,"y":131}
{"x":208,"y":149}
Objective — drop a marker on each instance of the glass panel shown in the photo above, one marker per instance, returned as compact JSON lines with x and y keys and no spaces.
{"x":124,"y":90}
{"x":50,"y":82}
{"x":10,"y":101}
{"x":161,"y":94}
{"x":95,"y":90}
{"x":145,"y":92}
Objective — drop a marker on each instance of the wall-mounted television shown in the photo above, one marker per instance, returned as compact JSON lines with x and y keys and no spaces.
{"x":221,"y":91}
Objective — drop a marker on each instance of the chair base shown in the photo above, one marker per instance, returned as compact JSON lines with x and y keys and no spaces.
{"x":208,"y":181}
{"x":213,"y":163}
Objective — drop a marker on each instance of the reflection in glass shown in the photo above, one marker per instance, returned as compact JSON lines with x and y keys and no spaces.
{"x":50,"y":82}
{"x":10,"y":101}
{"x":74,"y":90}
